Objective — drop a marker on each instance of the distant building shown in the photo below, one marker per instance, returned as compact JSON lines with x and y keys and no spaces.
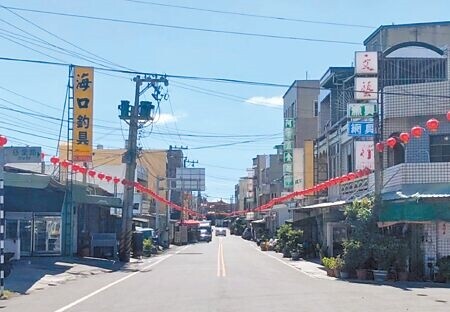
{"x":300,"y":111}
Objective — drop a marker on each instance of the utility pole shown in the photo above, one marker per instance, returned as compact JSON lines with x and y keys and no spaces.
{"x":138,"y":115}
{"x":190,"y":162}
{"x":378,"y":137}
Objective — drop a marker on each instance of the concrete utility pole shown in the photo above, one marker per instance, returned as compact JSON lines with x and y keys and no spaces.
{"x":378,"y":137}
{"x":139,"y":115}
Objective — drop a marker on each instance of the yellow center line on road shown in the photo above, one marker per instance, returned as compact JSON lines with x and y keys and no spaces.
{"x":219,"y":259}
{"x":224,"y":272}
{"x":221,"y":272}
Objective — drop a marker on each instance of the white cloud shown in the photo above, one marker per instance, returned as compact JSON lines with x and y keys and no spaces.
{"x":275,"y":101}
{"x":166,"y":119}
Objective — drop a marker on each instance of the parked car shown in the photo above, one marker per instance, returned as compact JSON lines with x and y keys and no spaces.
{"x":247,"y":234}
{"x":204,"y":235}
{"x":221,"y":232}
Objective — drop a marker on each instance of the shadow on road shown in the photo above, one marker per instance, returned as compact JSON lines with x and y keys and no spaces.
{"x":39,"y":272}
{"x":404,"y":285}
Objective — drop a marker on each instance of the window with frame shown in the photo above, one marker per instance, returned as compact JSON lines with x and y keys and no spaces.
{"x":316,"y":108}
{"x":440,"y":148}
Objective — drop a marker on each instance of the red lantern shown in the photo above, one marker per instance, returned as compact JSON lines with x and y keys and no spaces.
{"x":92,"y":173}
{"x":367,"y":171}
{"x":42,"y":156}
{"x":379,"y":147}
{"x":351,"y":176}
{"x":108,"y":178}
{"x":83,"y":170}
{"x":116,"y":180}
{"x":54,"y":160}
{"x":75,"y":168}
{"x":101,"y":176}
{"x":65,"y":163}
{"x":404,"y":137}
{"x":391,"y":142}
{"x":359,"y":173}
{"x":417,"y":131}
{"x":125,"y":182}
{"x":344,"y":178}
{"x":448,"y":115}
{"x":432,"y":124}
{"x":3,"y":140}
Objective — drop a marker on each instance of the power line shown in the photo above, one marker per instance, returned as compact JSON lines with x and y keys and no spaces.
{"x":229,"y":32}
{"x":64,"y":40}
{"x":220,"y":167}
{"x":219,"y":80}
{"x":32,"y":49}
{"x":30,"y":99}
{"x":221,"y":136}
{"x":278,"y":18}
{"x":218,"y":94}
{"x":36,"y":38}
{"x":224,"y":144}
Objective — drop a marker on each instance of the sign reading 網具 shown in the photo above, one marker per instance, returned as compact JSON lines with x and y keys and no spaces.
{"x":360,"y":129}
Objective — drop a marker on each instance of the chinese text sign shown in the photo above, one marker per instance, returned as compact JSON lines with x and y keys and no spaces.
{"x":364,"y":155}
{"x":366,"y":62}
{"x":82,"y":113}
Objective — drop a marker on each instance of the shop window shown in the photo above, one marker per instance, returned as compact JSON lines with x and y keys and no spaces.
{"x":440,"y":148}
{"x":11,"y":229}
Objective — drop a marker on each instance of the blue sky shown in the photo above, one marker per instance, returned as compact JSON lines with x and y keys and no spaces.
{"x":199,"y":108}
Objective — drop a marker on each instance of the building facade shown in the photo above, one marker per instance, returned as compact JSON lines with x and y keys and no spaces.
{"x":300,"y":112}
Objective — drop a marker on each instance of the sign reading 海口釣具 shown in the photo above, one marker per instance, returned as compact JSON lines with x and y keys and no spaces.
{"x":83,"y":98}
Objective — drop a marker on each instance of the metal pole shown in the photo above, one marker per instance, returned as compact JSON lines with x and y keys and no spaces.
{"x":128,"y":198}
{"x":2,"y":224}
{"x":158,"y":179}
{"x":168,"y":218}
{"x":378,"y":137}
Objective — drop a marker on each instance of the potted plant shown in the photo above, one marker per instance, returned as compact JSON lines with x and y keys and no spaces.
{"x":355,"y":257}
{"x":339,"y":266}
{"x":444,"y":269}
{"x":401,"y":260}
{"x":330,"y":264}
{"x":263,"y":245}
{"x":294,"y":243}
{"x":384,"y":252}
{"x":148,"y":245}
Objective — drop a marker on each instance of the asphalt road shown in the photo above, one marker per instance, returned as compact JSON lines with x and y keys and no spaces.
{"x":228,"y":274}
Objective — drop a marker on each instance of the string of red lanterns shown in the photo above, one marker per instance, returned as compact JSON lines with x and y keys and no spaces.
{"x":432,"y":125}
{"x":116,"y":180}
{"x":317,"y":188}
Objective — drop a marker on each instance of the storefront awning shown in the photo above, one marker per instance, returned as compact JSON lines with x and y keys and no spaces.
{"x":322,"y":205}
{"x":416,"y":210}
{"x":261,"y":221}
{"x":102,"y":201}
{"x":190,"y":222}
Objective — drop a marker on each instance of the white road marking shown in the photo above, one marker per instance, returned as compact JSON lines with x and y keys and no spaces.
{"x":283,"y":262}
{"x":65,"y":308}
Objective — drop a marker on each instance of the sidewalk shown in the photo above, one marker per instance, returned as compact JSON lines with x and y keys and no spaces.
{"x":38,"y":273}
{"x":309,"y":267}
{"x":314,"y":269}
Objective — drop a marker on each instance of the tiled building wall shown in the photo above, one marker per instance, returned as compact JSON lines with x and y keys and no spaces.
{"x":436,"y":238}
{"x":405,"y":106}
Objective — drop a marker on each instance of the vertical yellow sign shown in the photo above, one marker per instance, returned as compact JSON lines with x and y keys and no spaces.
{"x":83,"y":101}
